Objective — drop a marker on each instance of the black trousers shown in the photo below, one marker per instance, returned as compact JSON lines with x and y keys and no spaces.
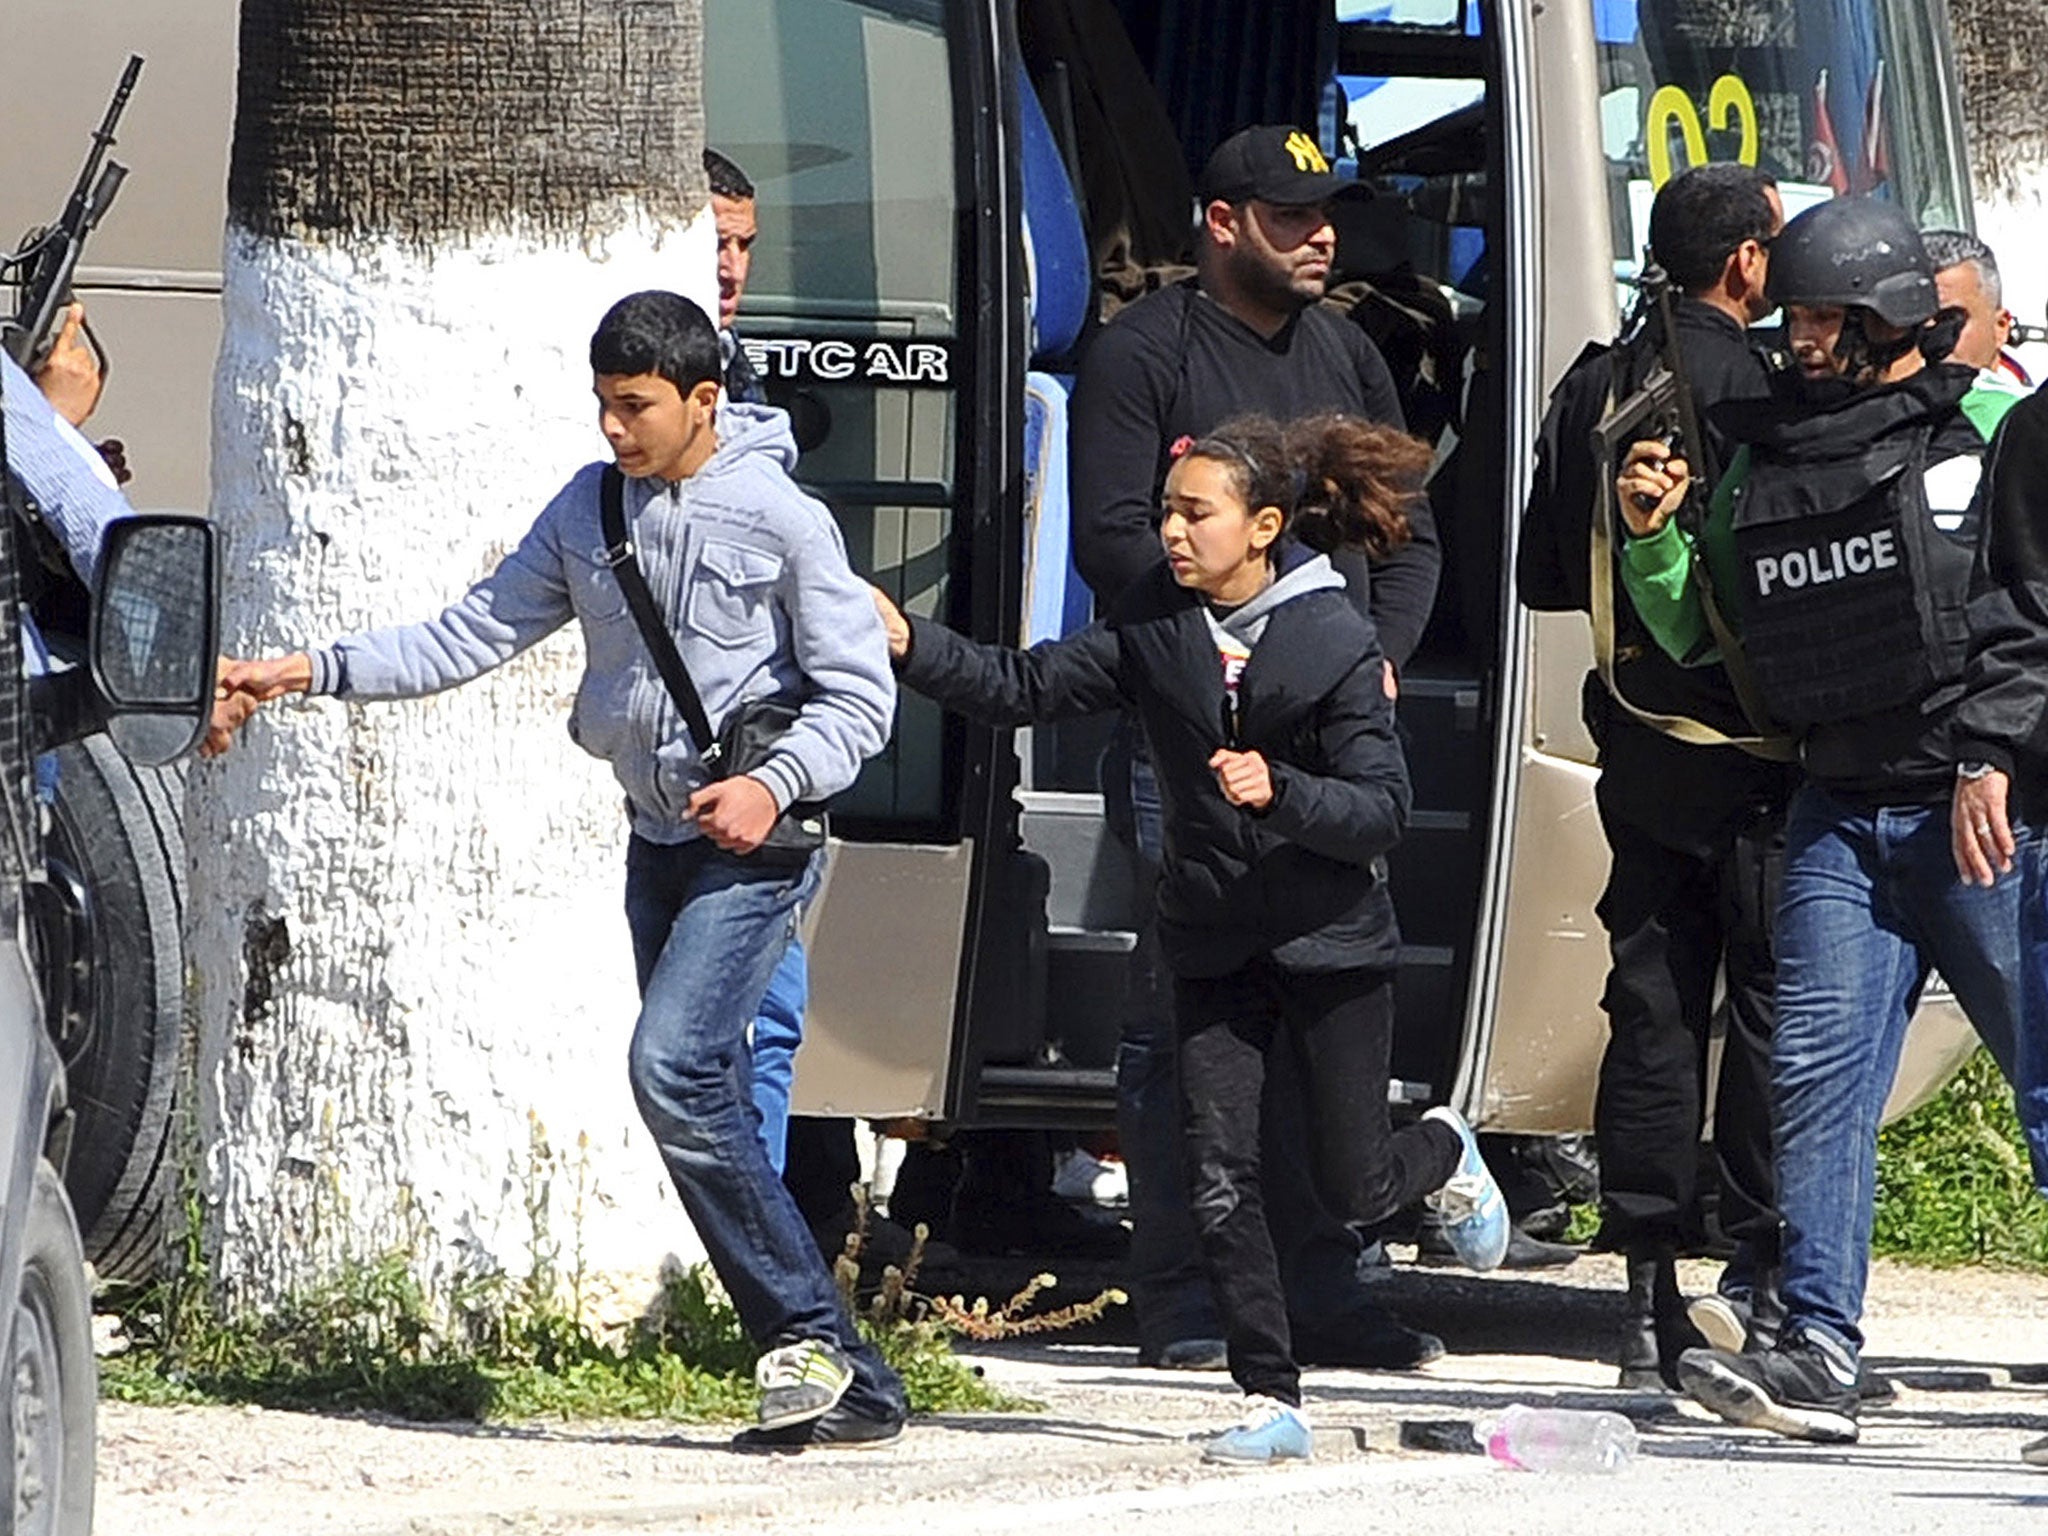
{"x":1690,"y":900}
{"x":1340,"y":1026}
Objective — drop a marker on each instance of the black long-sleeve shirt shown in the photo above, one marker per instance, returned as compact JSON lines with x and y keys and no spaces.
{"x":1178,"y":364}
{"x":2003,"y":715}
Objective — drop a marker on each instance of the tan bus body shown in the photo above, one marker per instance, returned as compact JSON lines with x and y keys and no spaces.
{"x":901,"y":1038}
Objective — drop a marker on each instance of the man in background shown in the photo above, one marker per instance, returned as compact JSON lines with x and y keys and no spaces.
{"x":732,"y":211}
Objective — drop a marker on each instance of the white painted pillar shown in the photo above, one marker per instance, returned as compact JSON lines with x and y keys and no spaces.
{"x":406,"y":919}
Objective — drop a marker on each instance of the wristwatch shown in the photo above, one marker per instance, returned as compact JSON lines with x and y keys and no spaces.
{"x":1974,"y":771}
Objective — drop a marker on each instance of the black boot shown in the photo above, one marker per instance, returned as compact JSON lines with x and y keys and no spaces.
{"x":1766,"y":1310}
{"x":1654,"y":1330}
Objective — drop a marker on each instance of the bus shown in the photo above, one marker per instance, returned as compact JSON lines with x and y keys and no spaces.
{"x":953,"y":196}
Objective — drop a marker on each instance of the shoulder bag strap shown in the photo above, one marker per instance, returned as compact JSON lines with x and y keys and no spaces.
{"x":661,"y":645}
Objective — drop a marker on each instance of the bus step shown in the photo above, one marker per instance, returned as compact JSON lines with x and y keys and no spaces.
{"x":1439,"y":821}
{"x":1093,"y":941}
{"x":1053,"y":1085}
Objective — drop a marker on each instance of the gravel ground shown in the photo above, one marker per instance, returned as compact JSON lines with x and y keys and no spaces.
{"x":1111,"y":1450}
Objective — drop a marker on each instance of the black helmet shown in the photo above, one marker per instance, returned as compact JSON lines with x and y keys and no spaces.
{"x":1855,"y":252}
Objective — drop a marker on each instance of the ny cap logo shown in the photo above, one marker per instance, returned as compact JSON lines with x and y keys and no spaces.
{"x":1306,"y":156}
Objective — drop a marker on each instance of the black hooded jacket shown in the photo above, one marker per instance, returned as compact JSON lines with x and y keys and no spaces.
{"x":2003,"y":715}
{"x":1303,"y":881}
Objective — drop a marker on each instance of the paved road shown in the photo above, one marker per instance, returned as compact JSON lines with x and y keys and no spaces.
{"x":1112,"y":1451}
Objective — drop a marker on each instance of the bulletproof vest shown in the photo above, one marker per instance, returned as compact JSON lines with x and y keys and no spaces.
{"x":1851,"y":597}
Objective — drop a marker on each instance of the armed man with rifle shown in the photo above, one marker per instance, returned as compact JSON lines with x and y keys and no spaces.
{"x":1692,"y":801}
{"x":1821,"y":550}
{"x":47,"y":336}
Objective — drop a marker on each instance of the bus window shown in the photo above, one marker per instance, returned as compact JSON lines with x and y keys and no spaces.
{"x":1829,"y":96}
{"x":841,"y":113}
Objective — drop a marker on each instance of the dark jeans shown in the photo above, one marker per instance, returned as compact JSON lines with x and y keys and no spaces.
{"x":1871,"y":902}
{"x":1676,"y":919}
{"x":1168,"y":1281}
{"x":1340,"y":1025}
{"x":708,"y":931}
{"x":2030,"y":1050}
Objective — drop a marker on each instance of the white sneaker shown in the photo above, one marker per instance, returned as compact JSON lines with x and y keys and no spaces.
{"x":1089,"y":1180}
{"x":1270,"y":1431}
{"x":1475,"y":1212}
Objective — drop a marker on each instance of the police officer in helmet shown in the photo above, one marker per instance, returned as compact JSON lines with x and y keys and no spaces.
{"x":1838,"y":567}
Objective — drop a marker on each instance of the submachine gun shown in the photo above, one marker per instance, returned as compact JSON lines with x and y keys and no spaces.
{"x":1652,"y":399}
{"x":43,"y":265}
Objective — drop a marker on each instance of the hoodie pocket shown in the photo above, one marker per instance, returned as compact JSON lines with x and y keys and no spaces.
{"x":731,"y":595}
{"x":594,"y":590}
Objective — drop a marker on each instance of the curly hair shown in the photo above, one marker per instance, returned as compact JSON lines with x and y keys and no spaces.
{"x":1358,"y":480}
{"x":1340,"y":481}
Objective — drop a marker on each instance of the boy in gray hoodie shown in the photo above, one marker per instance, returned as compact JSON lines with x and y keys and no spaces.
{"x":752,"y":578}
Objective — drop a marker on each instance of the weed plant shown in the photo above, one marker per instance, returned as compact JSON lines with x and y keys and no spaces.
{"x":369,"y":1338}
{"x":1953,"y":1184}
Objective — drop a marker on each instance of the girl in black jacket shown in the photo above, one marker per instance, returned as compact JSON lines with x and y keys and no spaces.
{"x":1262,"y":694}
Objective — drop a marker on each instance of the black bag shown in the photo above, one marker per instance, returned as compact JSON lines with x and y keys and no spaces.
{"x":748,"y":737}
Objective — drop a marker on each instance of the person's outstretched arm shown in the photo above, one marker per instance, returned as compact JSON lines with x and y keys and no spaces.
{"x":522,"y":602}
{"x":999,"y":685}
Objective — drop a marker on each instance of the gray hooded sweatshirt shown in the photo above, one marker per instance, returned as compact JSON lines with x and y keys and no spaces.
{"x":753,"y":578}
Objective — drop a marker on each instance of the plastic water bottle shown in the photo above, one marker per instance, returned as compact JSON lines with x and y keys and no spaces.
{"x":1558,"y":1439}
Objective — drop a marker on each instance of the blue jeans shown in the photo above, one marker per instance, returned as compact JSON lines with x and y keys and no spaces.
{"x":2030,"y":1086}
{"x":778,"y":1031}
{"x":708,"y":931}
{"x":1871,"y":902}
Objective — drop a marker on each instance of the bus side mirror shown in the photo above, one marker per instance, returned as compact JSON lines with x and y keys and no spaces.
{"x":156,"y":633}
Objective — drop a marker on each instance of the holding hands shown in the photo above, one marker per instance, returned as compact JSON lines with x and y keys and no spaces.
{"x":242,"y":685}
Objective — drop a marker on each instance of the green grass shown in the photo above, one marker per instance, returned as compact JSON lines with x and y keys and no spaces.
{"x":368,"y":1338}
{"x":1953,"y":1185}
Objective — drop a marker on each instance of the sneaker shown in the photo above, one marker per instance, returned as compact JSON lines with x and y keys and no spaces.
{"x":839,"y":1428}
{"x":1723,"y":1321}
{"x":1270,"y":1431}
{"x":2035,"y":1452}
{"x":1475,"y":1214}
{"x":1186,"y":1355}
{"x":1367,"y":1338}
{"x":1804,"y":1388}
{"x":1087,"y":1179}
{"x":801,"y":1382}
{"x":1874,"y":1389}
{"x":1432,"y":1246}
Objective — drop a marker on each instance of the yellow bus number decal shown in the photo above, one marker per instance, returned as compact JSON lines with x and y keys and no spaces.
{"x":1729,"y":104}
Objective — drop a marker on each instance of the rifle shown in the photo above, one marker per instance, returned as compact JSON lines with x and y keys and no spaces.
{"x":42,"y":267}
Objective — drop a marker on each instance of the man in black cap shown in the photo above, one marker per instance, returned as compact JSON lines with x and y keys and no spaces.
{"x":1246,"y":334}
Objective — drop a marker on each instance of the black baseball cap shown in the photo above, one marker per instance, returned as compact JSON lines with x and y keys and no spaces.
{"x":1274,"y":164}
